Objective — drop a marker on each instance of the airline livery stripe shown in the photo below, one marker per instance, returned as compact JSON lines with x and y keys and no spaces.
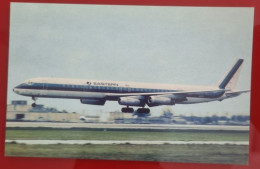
{"x":89,"y":88}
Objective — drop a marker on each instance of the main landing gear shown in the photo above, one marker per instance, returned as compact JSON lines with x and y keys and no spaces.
{"x":143,"y":110}
{"x":131,"y":110}
{"x":127,"y":110}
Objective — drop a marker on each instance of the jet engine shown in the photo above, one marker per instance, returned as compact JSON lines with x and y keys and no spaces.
{"x":159,"y":100}
{"x":131,"y":101}
{"x":93,"y":101}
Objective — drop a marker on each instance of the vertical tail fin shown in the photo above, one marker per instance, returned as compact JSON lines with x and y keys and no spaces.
{"x":231,"y":77}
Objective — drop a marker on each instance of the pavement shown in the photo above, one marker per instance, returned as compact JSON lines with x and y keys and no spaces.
{"x":109,"y":142}
{"x":127,"y":126}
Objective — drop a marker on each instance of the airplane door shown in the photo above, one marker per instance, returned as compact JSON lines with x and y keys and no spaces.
{"x":128,"y":89}
{"x":120,"y":89}
{"x":44,"y":85}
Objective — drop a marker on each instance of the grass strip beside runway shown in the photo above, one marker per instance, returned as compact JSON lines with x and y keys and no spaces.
{"x":225,"y":154}
{"x":109,"y":134}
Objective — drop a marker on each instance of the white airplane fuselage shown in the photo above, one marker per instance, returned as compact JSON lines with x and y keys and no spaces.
{"x":97,"y":92}
{"x":96,"y":89}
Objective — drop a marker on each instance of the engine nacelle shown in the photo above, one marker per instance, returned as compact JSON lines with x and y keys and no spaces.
{"x":160,"y":100}
{"x":131,"y":101}
{"x":93,"y":101}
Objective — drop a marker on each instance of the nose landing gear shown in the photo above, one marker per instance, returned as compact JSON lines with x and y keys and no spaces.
{"x":34,"y":99}
{"x":34,"y":104}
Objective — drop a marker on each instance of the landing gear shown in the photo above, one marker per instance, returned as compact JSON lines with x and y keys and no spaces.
{"x":34,"y":104}
{"x":143,"y":110}
{"x":127,"y":110}
{"x":131,"y":110}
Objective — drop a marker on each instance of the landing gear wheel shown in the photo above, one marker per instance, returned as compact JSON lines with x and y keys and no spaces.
{"x":127,"y":110}
{"x":34,"y":105}
{"x":143,"y":110}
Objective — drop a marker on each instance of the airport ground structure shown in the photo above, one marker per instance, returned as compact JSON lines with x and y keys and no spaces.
{"x":19,"y":110}
{"x":48,"y":132}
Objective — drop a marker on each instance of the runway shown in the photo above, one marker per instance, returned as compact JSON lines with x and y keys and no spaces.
{"x":110,"y":142}
{"x":127,"y":126}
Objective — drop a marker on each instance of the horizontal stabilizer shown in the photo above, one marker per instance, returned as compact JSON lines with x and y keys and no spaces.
{"x":237,"y":92}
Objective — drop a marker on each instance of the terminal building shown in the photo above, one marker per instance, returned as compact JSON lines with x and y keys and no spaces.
{"x":19,"y":110}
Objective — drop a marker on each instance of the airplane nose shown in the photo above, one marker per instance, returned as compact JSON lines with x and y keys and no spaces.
{"x":15,"y":90}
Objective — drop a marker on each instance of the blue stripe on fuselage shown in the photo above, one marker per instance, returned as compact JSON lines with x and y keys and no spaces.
{"x":88,"y":88}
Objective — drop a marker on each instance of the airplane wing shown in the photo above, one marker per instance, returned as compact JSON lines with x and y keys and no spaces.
{"x":205,"y":93}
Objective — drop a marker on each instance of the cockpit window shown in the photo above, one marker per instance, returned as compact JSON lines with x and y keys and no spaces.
{"x":29,"y":82}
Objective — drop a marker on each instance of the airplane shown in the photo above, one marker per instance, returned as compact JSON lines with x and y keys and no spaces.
{"x":129,"y":94}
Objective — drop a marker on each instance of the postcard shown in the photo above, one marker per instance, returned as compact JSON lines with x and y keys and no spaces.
{"x":135,"y":83}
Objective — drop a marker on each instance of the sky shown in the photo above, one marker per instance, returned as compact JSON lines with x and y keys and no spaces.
{"x":171,"y":45}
